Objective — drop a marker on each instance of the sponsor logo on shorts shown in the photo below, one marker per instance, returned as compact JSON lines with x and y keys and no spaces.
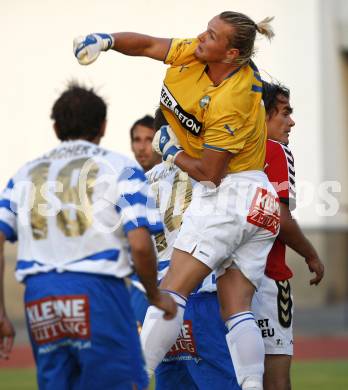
{"x":59,"y":317}
{"x":265,"y":211}
{"x":279,"y":343}
{"x":185,"y":344}
{"x":188,"y":121}
{"x":266,"y":330}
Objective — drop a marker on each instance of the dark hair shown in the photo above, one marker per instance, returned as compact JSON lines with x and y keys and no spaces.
{"x":270,"y":94}
{"x":160,"y":119}
{"x":78,"y":113}
{"x":244,"y":33}
{"x":146,"y":121}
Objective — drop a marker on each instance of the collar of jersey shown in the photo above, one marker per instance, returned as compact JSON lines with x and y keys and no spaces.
{"x":227,"y":77}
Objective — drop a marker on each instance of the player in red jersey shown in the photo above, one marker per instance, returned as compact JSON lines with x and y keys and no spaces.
{"x":272,"y":304}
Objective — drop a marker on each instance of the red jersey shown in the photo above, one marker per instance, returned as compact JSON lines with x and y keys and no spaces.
{"x":280,"y":169}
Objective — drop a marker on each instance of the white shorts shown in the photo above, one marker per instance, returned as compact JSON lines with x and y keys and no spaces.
{"x":236,"y":222}
{"x":273,"y":309}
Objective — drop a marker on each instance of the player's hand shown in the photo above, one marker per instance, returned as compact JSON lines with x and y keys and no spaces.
{"x":166,"y":144}
{"x":7,"y":335}
{"x":165,"y":302}
{"x":87,"y":48}
{"x":315,"y":265}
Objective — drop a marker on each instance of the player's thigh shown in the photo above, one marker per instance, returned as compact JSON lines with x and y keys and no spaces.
{"x":57,"y":370}
{"x":277,"y":372}
{"x":115,"y":357}
{"x":185,"y":273}
{"x":174,"y":375}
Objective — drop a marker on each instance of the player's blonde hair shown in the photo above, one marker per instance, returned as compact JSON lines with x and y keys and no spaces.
{"x":244,"y":33}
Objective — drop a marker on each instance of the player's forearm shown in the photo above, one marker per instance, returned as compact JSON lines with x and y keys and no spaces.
{"x":146,"y":269}
{"x":134,"y":44}
{"x":291,"y":235}
{"x":197,"y":170}
{"x":144,"y":259}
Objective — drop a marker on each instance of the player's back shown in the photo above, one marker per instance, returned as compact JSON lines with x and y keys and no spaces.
{"x":74,"y":207}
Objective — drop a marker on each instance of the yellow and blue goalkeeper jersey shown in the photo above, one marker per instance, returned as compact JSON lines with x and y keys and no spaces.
{"x":228,"y":117}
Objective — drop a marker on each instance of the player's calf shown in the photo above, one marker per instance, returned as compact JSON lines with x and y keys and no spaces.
{"x":158,"y":334}
{"x":247,"y":350}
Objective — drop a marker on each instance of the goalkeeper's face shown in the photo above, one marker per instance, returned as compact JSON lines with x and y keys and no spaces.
{"x":214,"y":42}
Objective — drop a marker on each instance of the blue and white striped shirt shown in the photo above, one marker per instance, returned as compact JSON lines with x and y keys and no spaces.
{"x":72,"y":208}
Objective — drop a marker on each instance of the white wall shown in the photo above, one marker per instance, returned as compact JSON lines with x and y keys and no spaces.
{"x":37,"y":61}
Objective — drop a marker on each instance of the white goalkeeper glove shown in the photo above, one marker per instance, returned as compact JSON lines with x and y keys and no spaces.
{"x":88,"y":48}
{"x":165,"y":143}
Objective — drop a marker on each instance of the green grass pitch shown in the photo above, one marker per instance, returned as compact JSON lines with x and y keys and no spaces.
{"x":313,"y":375}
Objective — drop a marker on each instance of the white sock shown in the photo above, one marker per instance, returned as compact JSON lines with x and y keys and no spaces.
{"x":247,"y":350}
{"x":158,"y":335}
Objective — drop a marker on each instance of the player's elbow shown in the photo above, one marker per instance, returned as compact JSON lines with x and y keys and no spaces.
{"x":212,"y":181}
{"x":140,"y":242}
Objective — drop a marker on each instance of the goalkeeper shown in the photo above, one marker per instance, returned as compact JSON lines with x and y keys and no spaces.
{"x":211,"y":97}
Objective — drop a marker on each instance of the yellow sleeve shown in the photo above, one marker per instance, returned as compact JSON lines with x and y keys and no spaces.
{"x":181,"y":51}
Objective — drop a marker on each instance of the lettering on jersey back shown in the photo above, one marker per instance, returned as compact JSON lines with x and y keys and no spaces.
{"x":188,"y":121}
{"x":39,"y":175}
{"x":71,"y":194}
{"x":55,"y":318}
{"x":265,"y":211}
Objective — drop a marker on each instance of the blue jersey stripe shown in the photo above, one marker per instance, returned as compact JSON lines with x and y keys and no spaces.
{"x":6,"y":203}
{"x":162,"y":265}
{"x":132,"y":173}
{"x":136,"y":198}
{"x":253,"y":66}
{"x":9,"y":233}
{"x":257,"y":76}
{"x":214,"y":148}
{"x":256,"y":88}
{"x":110,"y":254}
{"x":143,"y":222}
{"x":10,"y":184}
{"x":25,"y":264}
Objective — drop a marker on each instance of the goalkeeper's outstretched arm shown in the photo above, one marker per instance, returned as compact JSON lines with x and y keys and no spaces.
{"x":87,"y":48}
